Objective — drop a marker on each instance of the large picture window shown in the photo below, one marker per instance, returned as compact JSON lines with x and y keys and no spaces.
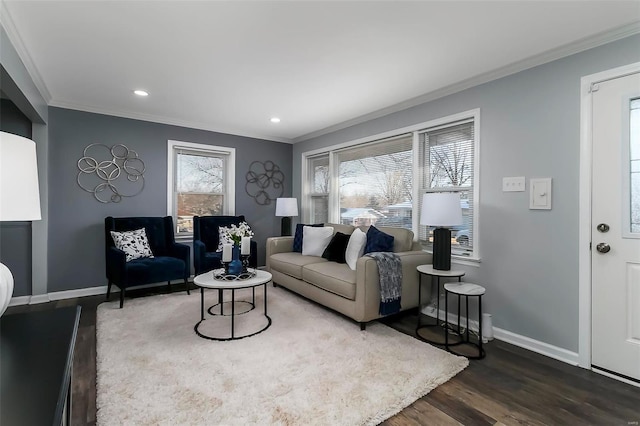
{"x":375,"y":183}
{"x":381,"y":181}
{"x":200,"y":182}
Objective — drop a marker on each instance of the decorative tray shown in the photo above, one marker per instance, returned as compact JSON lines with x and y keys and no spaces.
{"x":219,"y":274}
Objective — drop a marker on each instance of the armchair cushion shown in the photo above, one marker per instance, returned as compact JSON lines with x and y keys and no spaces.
{"x":134,"y":244}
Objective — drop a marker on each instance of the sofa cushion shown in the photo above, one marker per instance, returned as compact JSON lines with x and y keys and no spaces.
{"x":334,"y":277}
{"x":316,"y":240}
{"x":291,"y":263}
{"x":297,"y":237}
{"x":338,"y":227}
{"x":355,"y":248}
{"x":337,"y":247}
{"x":402,"y":238}
{"x":378,"y":241}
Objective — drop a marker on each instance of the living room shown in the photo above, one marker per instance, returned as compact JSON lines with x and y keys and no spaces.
{"x":527,"y":114}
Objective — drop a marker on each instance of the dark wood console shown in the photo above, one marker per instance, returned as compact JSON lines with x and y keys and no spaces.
{"x":36,"y":361}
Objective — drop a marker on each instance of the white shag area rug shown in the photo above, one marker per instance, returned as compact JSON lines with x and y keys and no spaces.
{"x":311,"y":367}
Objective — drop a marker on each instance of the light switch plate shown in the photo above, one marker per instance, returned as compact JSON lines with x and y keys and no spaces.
{"x":513,"y":184}
{"x":540,"y":194}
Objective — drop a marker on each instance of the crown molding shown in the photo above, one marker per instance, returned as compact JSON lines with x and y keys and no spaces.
{"x":165,"y":120}
{"x":9,"y":26}
{"x":540,"y":59}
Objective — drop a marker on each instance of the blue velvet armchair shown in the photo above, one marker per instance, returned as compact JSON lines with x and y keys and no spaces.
{"x":171,"y":260}
{"x":206,"y":239}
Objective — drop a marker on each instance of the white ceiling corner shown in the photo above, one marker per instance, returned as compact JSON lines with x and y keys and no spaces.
{"x":320,"y":66}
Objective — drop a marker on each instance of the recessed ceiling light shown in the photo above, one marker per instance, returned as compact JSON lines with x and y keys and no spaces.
{"x":141,"y":93}
{"x":275,"y":120}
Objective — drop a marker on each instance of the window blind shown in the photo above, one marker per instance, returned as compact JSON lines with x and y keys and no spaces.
{"x":447,"y":157}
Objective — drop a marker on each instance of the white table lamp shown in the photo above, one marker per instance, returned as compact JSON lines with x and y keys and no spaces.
{"x":19,"y":194}
{"x":286,"y":207}
{"x":441,"y":210}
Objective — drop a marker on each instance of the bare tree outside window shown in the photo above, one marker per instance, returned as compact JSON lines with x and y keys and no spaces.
{"x":200,"y":188}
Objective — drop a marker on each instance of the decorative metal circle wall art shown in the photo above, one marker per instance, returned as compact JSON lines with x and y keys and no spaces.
{"x":98,"y":176}
{"x":265,"y":182}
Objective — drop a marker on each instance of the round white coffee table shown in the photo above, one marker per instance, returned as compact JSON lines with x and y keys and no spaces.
{"x":207,"y":280}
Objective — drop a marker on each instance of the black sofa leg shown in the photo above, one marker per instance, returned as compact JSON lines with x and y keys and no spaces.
{"x":186,"y":284}
{"x":121,"y":298}
{"x":169,"y":286}
{"x":108,"y":290}
{"x":363,"y":326}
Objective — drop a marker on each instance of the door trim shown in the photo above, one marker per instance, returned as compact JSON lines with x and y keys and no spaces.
{"x":584,"y":220}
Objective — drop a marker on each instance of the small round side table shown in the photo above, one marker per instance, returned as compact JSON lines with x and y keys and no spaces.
{"x":467,"y":290}
{"x":437,"y":337}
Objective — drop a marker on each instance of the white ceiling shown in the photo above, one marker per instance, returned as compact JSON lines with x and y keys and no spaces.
{"x":231,"y":65}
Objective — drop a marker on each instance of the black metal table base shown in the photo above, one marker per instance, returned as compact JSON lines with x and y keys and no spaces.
{"x":463,"y":336}
{"x":439,"y":326}
{"x":233,"y":314}
{"x":221,"y":304}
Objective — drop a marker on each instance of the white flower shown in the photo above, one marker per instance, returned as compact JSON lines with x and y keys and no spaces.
{"x":233,"y":234}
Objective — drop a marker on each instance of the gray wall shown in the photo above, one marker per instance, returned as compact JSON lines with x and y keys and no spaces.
{"x":76,"y":219}
{"x":15,"y":237}
{"x":529,"y":126}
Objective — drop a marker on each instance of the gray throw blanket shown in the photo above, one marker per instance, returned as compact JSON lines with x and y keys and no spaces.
{"x":390,"y":271}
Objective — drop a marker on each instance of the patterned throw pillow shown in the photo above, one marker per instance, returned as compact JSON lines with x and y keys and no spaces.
{"x":225,"y":237}
{"x":134,"y":244}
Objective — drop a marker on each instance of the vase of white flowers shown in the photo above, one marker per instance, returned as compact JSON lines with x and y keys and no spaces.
{"x":237,"y":235}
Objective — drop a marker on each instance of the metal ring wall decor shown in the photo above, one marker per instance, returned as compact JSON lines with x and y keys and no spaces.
{"x":99,"y":176}
{"x":265,"y":182}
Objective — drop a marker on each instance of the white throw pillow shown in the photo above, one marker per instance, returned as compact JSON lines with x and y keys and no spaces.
{"x":134,"y":244}
{"x":315,"y":239}
{"x":355,"y":248}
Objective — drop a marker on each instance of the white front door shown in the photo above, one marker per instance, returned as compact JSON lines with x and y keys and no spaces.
{"x":615,"y":234}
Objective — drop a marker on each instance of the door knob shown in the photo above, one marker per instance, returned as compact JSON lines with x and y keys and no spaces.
{"x":603,"y":227}
{"x":603,"y":247}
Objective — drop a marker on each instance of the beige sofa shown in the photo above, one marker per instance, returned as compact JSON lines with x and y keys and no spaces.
{"x":355,"y":294}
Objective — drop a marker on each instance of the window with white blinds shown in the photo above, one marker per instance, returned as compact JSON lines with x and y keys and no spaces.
{"x":201,"y":183}
{"x":447,"y":159}
{"x":374,"y":183}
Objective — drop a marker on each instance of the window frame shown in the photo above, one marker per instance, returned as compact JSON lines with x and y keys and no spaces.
{"x":229,"y":203}
{"x":418,"y":171}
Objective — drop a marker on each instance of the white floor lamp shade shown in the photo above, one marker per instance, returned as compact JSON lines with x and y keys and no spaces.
{"x":19,"y":194}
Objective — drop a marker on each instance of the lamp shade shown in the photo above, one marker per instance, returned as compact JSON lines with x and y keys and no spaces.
{"x":287,"y":207}
{"x":19,"y":191}
{"x":441,"y":209}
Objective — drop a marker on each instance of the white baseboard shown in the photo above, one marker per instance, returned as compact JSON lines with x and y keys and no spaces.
{"x":80,"y":292}
{"x":528,"y":343}
{"x":70,"y":294}
{"x":39,"y":298}
{"x":20,"y":300}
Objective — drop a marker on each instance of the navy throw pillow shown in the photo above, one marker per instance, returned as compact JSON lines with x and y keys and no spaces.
{"x":337,"y":247}
{"x":378,"y":241}
{"x":297,"y":238}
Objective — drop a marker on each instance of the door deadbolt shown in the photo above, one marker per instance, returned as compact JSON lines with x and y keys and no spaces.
{"x":603,"y":247}
{"x":603,"y":227}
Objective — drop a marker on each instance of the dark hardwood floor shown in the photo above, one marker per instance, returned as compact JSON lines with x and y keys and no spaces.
{"x":509,"y":386}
